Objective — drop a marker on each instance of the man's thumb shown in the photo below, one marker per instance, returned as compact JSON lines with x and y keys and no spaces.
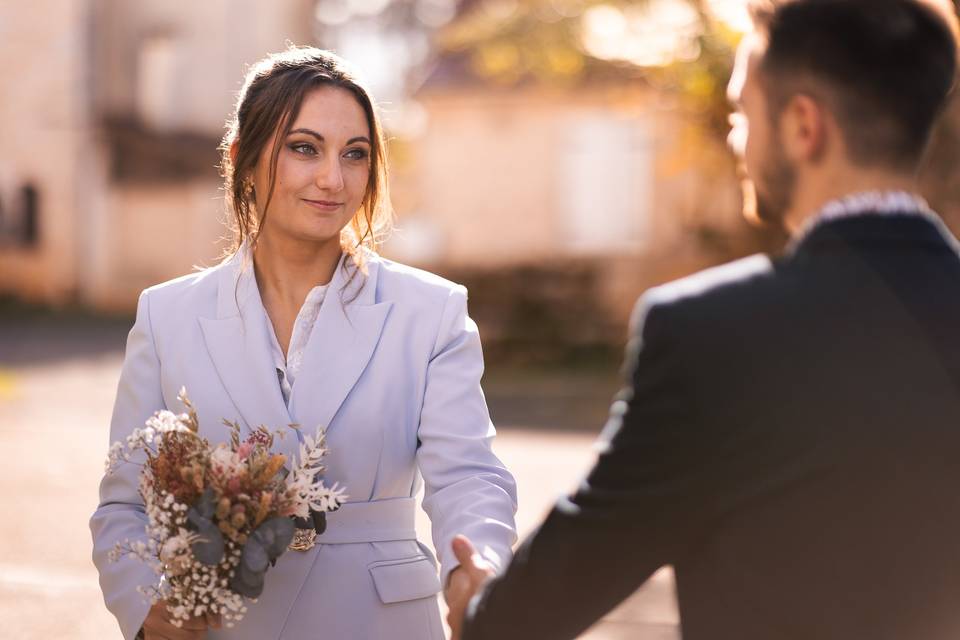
{"x":464,"y":551}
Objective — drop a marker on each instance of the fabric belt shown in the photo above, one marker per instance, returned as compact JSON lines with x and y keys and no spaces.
{"x":376,"y":521}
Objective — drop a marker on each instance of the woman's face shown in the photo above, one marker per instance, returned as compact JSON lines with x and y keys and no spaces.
{"x":322,"y":169}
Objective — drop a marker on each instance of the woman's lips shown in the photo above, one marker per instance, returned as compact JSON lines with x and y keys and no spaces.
{"x":324,"y":205}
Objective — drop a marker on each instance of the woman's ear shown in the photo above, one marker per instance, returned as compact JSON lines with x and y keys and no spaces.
{"x":233,"y":152}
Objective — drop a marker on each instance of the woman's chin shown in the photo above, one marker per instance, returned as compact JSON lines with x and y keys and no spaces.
{"x":320,"y":237}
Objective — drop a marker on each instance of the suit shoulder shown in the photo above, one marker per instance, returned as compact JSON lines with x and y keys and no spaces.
{"x":398,"y":280}
{"x":734,"y":286}
{"x":719,"y":283}
{"x":708,"y":300}
{"x":185,"y":288}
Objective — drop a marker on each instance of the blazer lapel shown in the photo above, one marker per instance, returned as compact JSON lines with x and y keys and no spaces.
{"x":340,"y":346}
{"x":239,"y":345}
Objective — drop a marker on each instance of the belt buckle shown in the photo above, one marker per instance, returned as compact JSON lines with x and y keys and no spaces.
{"x":303,"y":539}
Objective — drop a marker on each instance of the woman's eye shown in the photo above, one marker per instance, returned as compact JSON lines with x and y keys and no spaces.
{"x":304,"y":148}
{"x":356,"y":154}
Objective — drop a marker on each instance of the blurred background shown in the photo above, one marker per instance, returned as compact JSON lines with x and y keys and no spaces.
{"x":556,"y":156}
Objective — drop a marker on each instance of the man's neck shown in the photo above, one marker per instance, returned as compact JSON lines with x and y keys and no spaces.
{"x":811,"y":199}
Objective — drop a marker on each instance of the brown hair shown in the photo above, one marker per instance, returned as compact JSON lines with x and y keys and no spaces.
{"x":269,"y":102}
{"x":883,"y":67}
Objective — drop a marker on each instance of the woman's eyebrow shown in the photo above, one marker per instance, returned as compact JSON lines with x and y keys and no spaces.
{"x":309,"y":132}
{"x":320,"y":138}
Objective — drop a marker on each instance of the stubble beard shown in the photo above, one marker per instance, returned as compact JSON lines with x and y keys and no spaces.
{"x":768,"y":197}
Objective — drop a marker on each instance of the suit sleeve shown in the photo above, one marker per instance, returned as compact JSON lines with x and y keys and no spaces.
{"x":627,"y":518}
{"x":467,"y":489}
{"x":120,"y":515}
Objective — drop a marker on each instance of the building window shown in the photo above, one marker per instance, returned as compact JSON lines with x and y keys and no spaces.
{"x":20,"y":224}
{"x":157,"y":82}
{"x":29,"y":216}
{"x":605,"y":184}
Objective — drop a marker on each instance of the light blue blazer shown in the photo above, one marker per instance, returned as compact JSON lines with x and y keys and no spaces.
{"x":392,"y":369}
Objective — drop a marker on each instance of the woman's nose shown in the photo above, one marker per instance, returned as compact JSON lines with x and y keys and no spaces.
{"x":329,"y":174}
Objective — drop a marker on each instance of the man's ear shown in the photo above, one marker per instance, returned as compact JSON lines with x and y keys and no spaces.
{"x":804,"y":130}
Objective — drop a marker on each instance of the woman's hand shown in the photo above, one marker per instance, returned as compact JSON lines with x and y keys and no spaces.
{"x":159,"y":625}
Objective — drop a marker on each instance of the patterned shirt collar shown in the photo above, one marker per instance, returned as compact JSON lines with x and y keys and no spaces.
{"x":868,"y":203}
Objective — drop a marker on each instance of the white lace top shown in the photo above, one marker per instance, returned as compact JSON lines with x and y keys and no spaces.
{"x":289,"y":366}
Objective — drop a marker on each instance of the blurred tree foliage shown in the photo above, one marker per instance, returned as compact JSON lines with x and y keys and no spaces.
{"x":521,"y":43}
{"x":515,"y":42}
{"x":518,"y":42}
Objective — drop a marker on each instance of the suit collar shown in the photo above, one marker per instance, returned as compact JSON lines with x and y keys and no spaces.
{"x":868,"y":203}
{"x":236,"y":284}
{"x":341,"y":344}
{"x":882,"y":230}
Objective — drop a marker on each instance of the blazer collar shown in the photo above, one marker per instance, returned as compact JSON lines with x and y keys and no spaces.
{"x":237,"y":290}
{"x":341,"y":344}
{"x":889,"y":230}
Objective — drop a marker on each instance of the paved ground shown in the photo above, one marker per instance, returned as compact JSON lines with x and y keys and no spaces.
{"x":56,"y":390}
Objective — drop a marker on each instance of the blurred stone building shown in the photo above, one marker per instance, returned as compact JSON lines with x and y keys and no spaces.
{"x":599,"y":178}
{"x":110,"y":118}
{"x":556,"y":201}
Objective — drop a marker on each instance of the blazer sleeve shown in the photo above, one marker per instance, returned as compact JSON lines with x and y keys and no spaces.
{"x":120,"y":515}
{"x":626,"y":519}
{"x":467,"y":489}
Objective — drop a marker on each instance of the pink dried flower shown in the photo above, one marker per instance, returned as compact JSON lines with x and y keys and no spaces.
{"x":245,"y":449}
{"x":260,"y":436}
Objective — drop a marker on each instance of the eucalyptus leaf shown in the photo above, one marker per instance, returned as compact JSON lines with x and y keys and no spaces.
{"x":275,"y":535}
{"x":246,"y":582}
{"x":197,"y":520}
{"x":206,"y":504}
{"x":254,"y":556}
{"x":209,"y":548}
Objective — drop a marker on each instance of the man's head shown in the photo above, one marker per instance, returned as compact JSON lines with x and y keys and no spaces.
{"x":826,"y":85}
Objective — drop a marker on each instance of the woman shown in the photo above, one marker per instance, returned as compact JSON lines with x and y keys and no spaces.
{"x":304,"y":323}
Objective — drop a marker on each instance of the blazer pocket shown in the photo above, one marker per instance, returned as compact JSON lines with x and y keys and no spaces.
{"x":406,"y":579}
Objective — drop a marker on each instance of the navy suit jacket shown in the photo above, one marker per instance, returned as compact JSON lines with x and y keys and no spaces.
{"x":788,"y":439}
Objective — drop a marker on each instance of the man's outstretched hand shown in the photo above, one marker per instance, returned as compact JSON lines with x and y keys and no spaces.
{"x":464,"y":581}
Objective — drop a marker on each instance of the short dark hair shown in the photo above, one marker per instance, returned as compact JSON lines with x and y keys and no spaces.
{"x":884,"y":68}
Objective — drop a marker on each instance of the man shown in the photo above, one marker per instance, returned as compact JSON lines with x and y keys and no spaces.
{"x":789,"y":435}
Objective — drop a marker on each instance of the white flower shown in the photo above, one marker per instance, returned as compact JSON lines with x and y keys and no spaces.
{"x":176,"y":553}
{"x":167,"y":421}
{"x":115,"y":456}
{"x":312,"y":452}
{"x":324,"y":498}
{"x":308,"y":492}
{"x":225,"y":463}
